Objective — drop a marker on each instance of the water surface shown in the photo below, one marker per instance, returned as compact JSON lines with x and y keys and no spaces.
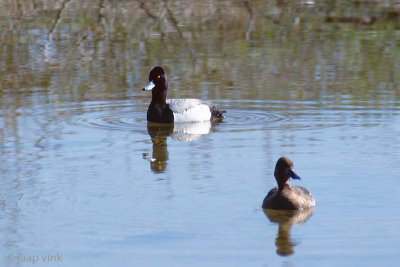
{"x":84,"y":177}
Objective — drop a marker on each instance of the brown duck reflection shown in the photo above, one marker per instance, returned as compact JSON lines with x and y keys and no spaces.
{"x":181,"y":132}
{"x":286,"y":218}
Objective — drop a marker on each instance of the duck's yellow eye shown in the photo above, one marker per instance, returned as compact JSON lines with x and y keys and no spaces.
{"x":158,"y":76}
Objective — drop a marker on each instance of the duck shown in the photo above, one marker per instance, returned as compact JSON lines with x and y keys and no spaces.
{"x":163,"y":110}
{"x":286,"y":196}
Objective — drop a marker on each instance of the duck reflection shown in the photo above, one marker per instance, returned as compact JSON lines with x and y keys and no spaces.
{"x":285,"y":219}
{"x":181,"y":132}
{"x":159,"y":133}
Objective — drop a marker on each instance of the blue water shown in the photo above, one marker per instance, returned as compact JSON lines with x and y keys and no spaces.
{"x":87,"y":192}
{"x":86,"y":181}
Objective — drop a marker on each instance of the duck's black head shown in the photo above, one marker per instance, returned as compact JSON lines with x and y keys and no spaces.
{"x":158,"y":83}
{"x":283,"y":171}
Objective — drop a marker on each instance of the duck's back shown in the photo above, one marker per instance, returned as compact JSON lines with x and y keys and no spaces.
{"x":305,"y":199}
{"x":293,"y":198}
{"x":179,"y":105}
{"x":189,"y":110}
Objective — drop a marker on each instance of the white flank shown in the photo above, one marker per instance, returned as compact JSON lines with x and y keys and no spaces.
{"x":189,"y":110}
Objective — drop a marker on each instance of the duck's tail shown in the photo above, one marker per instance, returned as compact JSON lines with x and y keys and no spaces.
{"x":216,"y":113}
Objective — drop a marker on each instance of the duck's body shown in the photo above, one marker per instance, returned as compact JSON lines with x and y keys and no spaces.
{"x":285,"y":196}
{"x":162,"y":110}
{"x":289,"y":198}
{"x":185,"y":110}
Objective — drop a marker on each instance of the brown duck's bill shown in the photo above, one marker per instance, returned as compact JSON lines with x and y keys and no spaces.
{"x":294,"y":175}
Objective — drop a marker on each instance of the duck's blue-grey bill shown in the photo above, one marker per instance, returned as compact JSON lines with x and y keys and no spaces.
{"x":294,"y":175}
{"x":149,"y":86}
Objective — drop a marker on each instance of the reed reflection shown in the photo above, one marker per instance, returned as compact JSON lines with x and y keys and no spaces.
{"x":181,"y":132}
{"x":285,"y":219}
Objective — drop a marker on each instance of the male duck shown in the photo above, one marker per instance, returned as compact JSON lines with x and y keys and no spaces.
{"x":284,"y":196}
{"x":175,"y":110}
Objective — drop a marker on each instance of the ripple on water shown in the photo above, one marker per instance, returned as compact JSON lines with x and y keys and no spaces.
{"x":241,"y":116}
{"x":123,"y":121}
{"x":296,"y":115}
{"x":252,"y":120}
{"x":126,"y":118}
{"x":114,"y":116}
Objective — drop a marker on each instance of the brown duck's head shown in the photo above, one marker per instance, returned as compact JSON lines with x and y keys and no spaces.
{"x":283,"y":171}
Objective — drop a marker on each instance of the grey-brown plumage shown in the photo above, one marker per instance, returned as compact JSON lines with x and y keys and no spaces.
{"x":285,"y":196}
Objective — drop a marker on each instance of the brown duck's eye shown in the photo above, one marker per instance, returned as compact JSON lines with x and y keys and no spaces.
{"x":158,"y":76}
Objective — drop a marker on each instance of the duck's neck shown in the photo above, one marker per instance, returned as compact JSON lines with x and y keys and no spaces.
{"x":283,"y":185}
{"x":159,"y":98}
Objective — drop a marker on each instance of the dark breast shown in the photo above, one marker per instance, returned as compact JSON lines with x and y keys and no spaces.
{"x":160,"y":113}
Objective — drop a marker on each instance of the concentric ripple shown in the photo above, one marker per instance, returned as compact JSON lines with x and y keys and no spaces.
{"x":125,"y":116}
{"x":241,"y":116}
{"x":123,"y":121}
{"x":112,"y":116}
{"x":251,"y":120}
{"x":250,"y":115}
